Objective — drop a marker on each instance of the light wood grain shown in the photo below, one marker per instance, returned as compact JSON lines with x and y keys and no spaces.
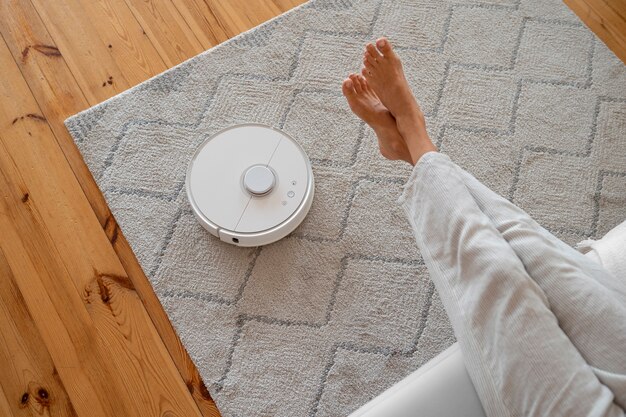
{"x":605,"y":18}
{"x":167,"y":29}
{"x":85,"y":53}
{"x":55,"y":90}
{"x":123,"y":37}
{"x":105,"y":348}
{"x":36,"y":388}
{"x":26,"y":258}
{"x":59,"y":97}
{"x":5,"y":408}
{"x":240,"y":15}
{"x":201,"y":18}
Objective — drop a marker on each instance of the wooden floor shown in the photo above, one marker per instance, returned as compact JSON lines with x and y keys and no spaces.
{"x":81,"y":331}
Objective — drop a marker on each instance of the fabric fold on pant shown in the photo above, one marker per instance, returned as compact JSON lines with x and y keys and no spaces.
{"x":589,"y":303}
{"x":520,"y":360}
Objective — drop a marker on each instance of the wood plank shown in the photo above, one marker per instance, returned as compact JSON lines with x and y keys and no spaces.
{"x":214,"y":21}
{"x":107,"y":352}
{"x":167,"y":29}
{"x":618,"y":5}
{"x":86,"y":54}
{"x":611,"y":15}
{"x":123,"y":37}
{"x":605,"y":20}
{"x":34,"y":388}
{"x":64,"y":349}
{"x":99,"y":381}
{"x":285,"y":5}
{"x":5,"y":408}
{"x":202,"y":20}
{"x":104,"y":45}
{"x":240,"y":15}
{"x":35,"y":151}
{"x":613,"y":11}
{"x":52,"y":84}
{"x":60,"y":97}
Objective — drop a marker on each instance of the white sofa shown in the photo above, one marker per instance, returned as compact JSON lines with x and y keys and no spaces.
{"x":442,"y":387}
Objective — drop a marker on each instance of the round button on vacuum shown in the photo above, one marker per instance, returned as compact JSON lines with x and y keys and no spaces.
{"x":259,"y":180}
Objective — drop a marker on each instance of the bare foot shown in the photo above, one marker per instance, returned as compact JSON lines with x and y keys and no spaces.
{"x":383,"y":71}
{"x":365,"y":104}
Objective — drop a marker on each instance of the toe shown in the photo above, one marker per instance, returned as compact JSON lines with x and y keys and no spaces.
{"x":347,"y":87}
{"x":362,"y":83}
{"x":385,"y":47}
{"x":371,"y":49}
{"x":366,"y":73}
{"x":369,"y":59}
{"x":355,"y":82}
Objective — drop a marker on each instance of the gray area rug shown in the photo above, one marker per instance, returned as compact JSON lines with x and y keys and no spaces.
{"x":520,"y":93}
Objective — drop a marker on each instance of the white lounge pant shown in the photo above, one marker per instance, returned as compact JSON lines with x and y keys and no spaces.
{"x":542,"y":328}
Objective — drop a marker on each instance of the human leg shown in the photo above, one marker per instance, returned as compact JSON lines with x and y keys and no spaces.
{"x":503,"y":302}
{"x":588,"y":302}
{"x":520,"y":360}
{"x":513,"y":222}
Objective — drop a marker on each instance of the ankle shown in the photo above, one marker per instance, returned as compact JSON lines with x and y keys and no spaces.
{"x":412,"y":126}
{"x":418,"y":142}
{"x":418,"y":150}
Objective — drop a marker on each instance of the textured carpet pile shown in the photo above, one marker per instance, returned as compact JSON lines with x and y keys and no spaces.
{"x":518,"y":92}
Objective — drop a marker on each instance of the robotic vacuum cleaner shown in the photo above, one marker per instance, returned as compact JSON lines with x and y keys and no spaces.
{"x":250,"y":184}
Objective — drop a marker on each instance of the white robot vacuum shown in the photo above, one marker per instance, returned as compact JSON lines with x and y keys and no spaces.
{"x":250,"y":184}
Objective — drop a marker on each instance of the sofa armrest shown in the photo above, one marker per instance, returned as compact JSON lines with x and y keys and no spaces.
{"x":439,"y":388}
{"x":610,"y":251}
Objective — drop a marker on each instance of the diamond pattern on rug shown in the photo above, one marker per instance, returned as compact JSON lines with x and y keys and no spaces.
{"x":485,"y":37}
{"x":518,"y":92}
{"x":315,"y":111}
{"x":563,"y":179}
{"x":540,"y":104}
{"x":540,"y":56}
{"x":479,"y":99}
